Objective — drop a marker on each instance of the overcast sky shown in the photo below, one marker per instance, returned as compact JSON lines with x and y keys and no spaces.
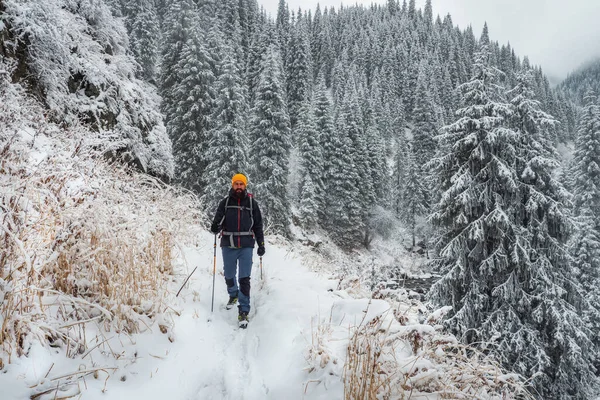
{"x":559,"y":35}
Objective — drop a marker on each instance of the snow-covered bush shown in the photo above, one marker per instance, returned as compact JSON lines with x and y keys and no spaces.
{"x":74,"y":56}
{"x":387,"y":359}
{"x":397,"y":349}
{"x":82,"y":241}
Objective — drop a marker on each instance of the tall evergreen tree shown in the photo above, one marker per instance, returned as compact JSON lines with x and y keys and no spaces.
{"x":187,"y":91}
{"x":270,"y":136}
{"x":309,"y":205}
{"x":567,"y":371}
{"x":262,"y":39}
{"x":282,"y":25}
{"x":227,"y":140}
{"x":144,"y":34}
{"x":379,"y":195}
{"x":346,"y":221}
{"x":586,"y":241}
{"x":328,"y":143}
{"x":414,"y":196}
{"x":364,"y":196}
{"x":428,"y":15}
{"x":299,"y":71}
{"x":400,"y":171}
{"x":311,"y":164}
{"x":502,"y":242}
{"x":232,"y":29}
{"x":424,"y":120}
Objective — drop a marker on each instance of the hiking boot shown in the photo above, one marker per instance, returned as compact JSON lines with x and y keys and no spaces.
{"x":232,"y":302}
{"x":243,"y":319}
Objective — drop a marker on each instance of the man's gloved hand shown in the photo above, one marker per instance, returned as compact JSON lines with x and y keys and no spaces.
{"x":214,"y":228}
{"x":261,"y":251}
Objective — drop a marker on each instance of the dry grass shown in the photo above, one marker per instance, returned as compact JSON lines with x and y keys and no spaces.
{"x":82,"y":241}
{"x":418,"y":361}
{"x":317,"y":354}
{"x":367,"y":372}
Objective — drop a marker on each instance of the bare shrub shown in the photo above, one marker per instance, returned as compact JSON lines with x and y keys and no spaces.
{"x":387,"y":361}
{"x":82,"y":241}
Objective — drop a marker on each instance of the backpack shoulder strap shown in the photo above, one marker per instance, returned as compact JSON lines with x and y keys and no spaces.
{"x":225,"y":210}
{"x":251,"y":212}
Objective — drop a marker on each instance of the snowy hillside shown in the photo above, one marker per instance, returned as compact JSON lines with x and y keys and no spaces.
{"x":74,"y":57}
{"x":97,"y":255}
{"x":380,"y":142}
{"x":584,"y":78}
{"x":295,"y":347}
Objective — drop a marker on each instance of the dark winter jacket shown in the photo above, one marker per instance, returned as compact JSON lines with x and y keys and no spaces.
{"x":239,"y":219}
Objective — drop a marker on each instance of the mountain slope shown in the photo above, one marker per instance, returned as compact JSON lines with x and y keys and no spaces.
{"x":577,"y":82}
{"x":74,"y":58}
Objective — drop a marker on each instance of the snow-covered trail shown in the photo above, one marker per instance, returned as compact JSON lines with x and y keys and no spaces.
{"x":216,"y":359}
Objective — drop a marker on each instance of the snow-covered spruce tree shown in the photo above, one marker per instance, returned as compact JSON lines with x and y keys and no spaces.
{"x":227,"y":141}
{"x":311,"y":165}
{"x":355,"y":129}
{"x":399,"y":172}
{"x":324,"y":52}
{"x":424,"y":128}
{"x":436,"y":88}
{"x":309,"y":207}
{"x":377,"y":164}
{"x":567,"y":372}
{"x":188,"y":92}
{"x":414,"y":195}
{"x":377,"y":116}
{"x":379,"y":194}
{"x":586,"y":242}
{"x":344,"y":205}
{"x":144,"y":36}
{"x":329,"y":143}
{"x":229,"y":18}
{"x":259,"y":43}
{"x":270,"y":149}
{"x":299,"y":71}
{"x":501,"y":245}
{"x":251,"y":22}
{"x":282,"y":24}
{"x":411,"y":75}
{"x":339,"y":75}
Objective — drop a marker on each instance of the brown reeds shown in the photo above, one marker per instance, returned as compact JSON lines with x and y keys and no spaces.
{"x":387,"y":362}
{"x":83,"y":241}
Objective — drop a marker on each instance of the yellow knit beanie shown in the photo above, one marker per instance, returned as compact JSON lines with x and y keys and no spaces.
{"x":239,"y":177}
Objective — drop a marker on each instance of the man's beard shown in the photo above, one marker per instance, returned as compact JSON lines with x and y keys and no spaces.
{"x":239,"y":192}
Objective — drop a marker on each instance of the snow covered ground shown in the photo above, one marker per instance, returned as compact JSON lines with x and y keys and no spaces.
{"x":312,"y":335}
{"x":210,"y":359}
{"x":295,"y":346}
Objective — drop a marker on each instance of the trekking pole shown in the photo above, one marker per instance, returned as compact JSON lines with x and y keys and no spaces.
{"x":261,"y":278}
{"x":214,"y":273}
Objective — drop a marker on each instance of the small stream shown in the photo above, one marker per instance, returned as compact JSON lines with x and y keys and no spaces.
{"x":416,"y":284}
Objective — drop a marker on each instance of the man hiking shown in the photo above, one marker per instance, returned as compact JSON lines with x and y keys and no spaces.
{"x":240,"y":222}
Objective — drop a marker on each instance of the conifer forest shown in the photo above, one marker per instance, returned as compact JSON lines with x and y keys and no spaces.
{"x":345,"y":117}
{"x":349,"y":122}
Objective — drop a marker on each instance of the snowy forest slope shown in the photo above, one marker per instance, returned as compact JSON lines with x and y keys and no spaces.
{"x":352,"y":123}
{"x":74,"y":57}
{"x":94,"y":254}
{"x":361,"y":115}
{"x":584,"y":78}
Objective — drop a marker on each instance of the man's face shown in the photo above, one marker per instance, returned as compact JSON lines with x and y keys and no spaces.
{"x":238,"y":187}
